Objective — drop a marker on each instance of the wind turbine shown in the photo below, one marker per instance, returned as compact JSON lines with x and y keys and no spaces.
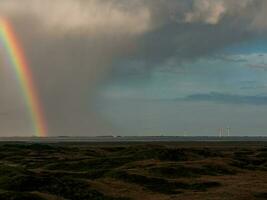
{"x":228,"y":131}
{"x":221,"y":132}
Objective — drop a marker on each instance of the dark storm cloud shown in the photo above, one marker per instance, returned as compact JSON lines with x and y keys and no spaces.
{"x":187,"y":30}
{"x":72,"y":45}
{"x":228,"y":98}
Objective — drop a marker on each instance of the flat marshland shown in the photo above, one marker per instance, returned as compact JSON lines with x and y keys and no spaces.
{"x":132,"y":170}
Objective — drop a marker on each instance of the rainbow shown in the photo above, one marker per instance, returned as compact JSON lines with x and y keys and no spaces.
{"x":24,"y":76}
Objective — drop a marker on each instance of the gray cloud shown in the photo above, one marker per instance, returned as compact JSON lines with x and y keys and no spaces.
{"x":180,"y":38}
{"x":72,"y":45}
{"x":69,"y":56}
{"x":260,"y":66}
{"x":91,"y":17}
{"x":213,"y":11}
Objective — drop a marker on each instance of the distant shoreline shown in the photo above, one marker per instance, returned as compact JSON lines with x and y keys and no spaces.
{"x":134,"y":139}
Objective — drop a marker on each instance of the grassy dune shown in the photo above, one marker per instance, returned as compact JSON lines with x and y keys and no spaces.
{"x":87,"y":171}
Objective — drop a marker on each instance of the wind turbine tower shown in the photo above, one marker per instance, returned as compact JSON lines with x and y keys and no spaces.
{"x":228,"y":131}
{"x":220,"y":132}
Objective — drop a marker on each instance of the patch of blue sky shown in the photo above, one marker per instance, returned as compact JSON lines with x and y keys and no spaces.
{"x":248,"y":47}
{"x":202,"y":76}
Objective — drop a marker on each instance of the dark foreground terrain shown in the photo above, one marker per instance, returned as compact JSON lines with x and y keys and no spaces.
{"x":124,"y":171}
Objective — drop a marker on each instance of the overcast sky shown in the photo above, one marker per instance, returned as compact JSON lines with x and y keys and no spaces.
{"x":139,"y":67}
